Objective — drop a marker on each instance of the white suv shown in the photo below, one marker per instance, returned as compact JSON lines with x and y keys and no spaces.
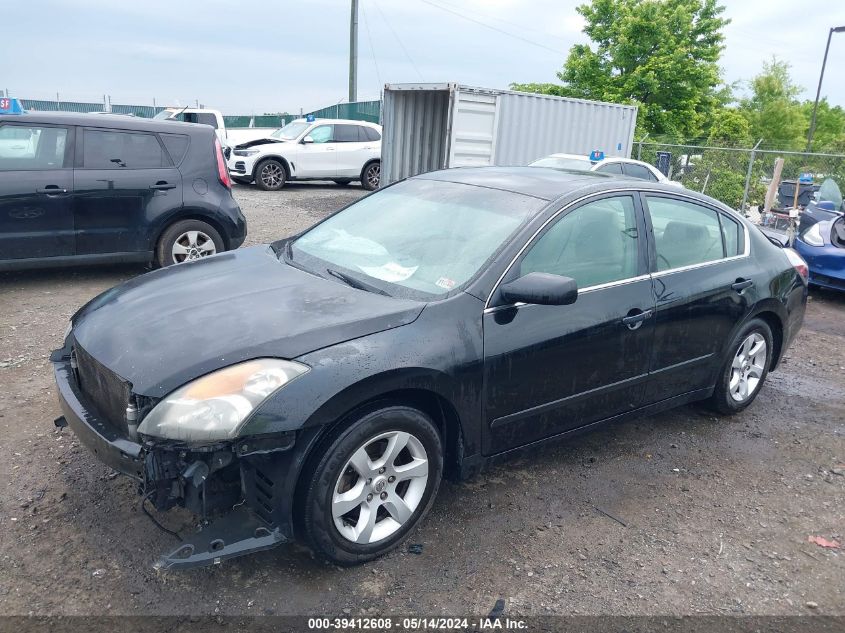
{"x":322,"y":149}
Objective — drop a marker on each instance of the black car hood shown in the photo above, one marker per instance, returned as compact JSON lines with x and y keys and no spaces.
{"x":162,"y":329}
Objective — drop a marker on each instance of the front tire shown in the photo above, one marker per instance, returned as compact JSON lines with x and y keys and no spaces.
{"x":745,"y":368}
{"x":371,"y":176}
{"x":270,"y":175}
{"x":187,"y":240}
{"x":374,"y":483}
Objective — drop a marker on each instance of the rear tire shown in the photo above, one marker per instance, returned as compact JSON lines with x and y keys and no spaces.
{"x":372,"y":485}
{"x":270,"y":175}
{"x":187,"y":240}
{"x":745,"y":368}
{"x":371,"y":176}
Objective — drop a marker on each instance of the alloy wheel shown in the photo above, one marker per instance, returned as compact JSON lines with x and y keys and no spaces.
{"x":192,"y":245}
{"x":747,"y":367}
{"x":373,"y":175}
{"x":272,"y":175}
{"x":380,"y":487}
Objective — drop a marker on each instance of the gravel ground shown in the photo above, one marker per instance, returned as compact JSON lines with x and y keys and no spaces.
{"x":681,"y":513}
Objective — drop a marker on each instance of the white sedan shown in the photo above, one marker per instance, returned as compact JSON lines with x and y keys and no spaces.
{"x":322,"y":149}
{"x":612,"y":165}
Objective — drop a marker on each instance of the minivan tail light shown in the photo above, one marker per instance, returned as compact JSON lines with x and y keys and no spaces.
{"x":222,"y":171}
{"x":798,"y":262}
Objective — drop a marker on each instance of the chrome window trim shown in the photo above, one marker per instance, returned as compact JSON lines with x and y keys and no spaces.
{"x":633,"y":191}
{"x":680,"y":269}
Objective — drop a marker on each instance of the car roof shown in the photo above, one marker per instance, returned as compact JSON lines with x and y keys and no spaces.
{"x":540,"y":182}
{"x":549,"y":183}
{"x":343,"y":121}
{"x":572,"y":156}
{"x":116,"y":121}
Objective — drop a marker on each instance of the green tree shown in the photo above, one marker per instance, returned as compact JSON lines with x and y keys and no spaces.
{"x":773,"y":110}
{"x":829,"y":135}
{"x":661,"y":55}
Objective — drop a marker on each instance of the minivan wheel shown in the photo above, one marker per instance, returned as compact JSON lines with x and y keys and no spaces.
{"x":745,"y":368}
{"x":373,"y":484}
{"x":187,"y":240}
{"x":371,"y":176}
{"x":270,"y":175}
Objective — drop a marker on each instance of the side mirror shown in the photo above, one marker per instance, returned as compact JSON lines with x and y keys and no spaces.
{"x":307,"y":139}
{"x":542,"y":289}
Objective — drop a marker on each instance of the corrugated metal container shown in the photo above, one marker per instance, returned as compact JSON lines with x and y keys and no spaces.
{"x":434,"y":126}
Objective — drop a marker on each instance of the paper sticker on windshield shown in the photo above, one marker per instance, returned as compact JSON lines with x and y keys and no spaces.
{"x":390,"y":272}
{"x":445,"y":282}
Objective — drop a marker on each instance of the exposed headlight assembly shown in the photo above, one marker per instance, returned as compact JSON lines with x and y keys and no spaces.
{"x":215,"y":406}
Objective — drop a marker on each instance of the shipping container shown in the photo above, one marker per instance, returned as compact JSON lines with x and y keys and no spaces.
{"x":435,"y":126}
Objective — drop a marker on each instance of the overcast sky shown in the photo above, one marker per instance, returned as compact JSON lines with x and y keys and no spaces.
{"x":247,"y":57}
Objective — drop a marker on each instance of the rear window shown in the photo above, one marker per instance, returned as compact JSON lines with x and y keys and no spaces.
{"x":176,"y":145}
{"x":346,"y":133}
{"x":107,"y":149}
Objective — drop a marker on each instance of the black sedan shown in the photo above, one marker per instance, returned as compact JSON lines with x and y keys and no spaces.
{"x":320,"y":387}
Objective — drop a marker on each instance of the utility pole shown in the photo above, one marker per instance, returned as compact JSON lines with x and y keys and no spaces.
{"x":353,"y":53}
{"x":836,"y":29}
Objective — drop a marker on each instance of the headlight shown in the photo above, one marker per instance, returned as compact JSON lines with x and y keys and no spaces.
{"x":215,"y":406}
{"x":245,"y":152}
{"x":813,"y":236}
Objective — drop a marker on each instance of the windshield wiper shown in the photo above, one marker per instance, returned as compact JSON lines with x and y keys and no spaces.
{"x":355,"y":282}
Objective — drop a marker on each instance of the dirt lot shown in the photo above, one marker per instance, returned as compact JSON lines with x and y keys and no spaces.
{"x":711,"y":515}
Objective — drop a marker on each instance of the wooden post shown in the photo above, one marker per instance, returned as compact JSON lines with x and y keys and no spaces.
{"x":771,"y":194}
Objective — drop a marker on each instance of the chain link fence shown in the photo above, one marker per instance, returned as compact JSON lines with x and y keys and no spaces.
{"x":740,"y":176}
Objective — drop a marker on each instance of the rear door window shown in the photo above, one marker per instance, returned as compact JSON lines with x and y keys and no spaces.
{"x":638,"y":171}
{"x":685,"y":233}
{"x":108,"y":149}
{"x":371,"y":134}
{"x":610,"y":168}
{"x":347,"y":134}
{"x":33,"y":147}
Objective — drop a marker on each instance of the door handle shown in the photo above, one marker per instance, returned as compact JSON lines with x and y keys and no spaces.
{"x":634,"y":321}
{"x":742,"y":284}
{"x":161,"y":186}
{"x":51,"y":190}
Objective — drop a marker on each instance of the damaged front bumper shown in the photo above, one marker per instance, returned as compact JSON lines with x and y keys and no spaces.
{"x":230,"y":487}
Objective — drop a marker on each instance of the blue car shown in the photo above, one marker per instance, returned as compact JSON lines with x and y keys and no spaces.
{"x":822,"y":245}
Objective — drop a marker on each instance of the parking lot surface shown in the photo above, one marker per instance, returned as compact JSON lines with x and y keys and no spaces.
{"x":680,"y":513}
